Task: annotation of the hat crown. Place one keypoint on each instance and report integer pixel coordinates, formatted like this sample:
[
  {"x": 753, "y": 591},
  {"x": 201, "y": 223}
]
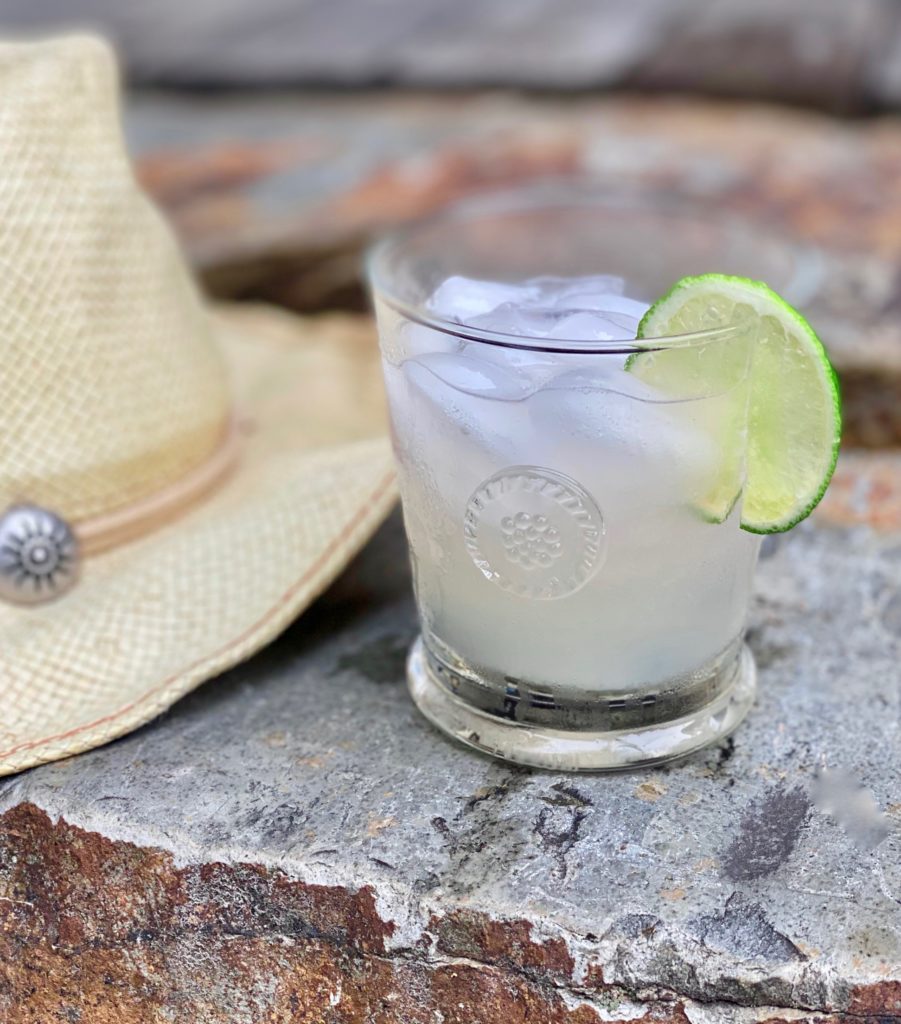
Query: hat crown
[{"x": 112, "y": 386}]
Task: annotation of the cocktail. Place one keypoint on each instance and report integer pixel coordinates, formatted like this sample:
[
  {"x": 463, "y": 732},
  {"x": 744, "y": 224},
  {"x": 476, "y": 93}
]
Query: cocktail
[{"x": 586, "y": 470}]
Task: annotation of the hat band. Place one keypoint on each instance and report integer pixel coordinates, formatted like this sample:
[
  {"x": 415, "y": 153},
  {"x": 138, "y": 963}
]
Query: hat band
[
  {"x": 40, "y": 553},
  {"x": 102, "y": 532}
]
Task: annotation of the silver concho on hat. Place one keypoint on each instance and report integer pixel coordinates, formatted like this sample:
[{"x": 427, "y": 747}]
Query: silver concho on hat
[{"x": 39, "y": 555}]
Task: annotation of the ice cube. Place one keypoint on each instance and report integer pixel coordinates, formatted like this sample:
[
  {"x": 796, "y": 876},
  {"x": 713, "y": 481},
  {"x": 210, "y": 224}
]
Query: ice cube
[
  {"x": 419, "y": 340},
  {"x": 536, "y": 308},
  {"x": 609, "y": 305},
  {"x": 516, "y": 318},
  {"x": 534, "y": 367},
  {"x": 600, "y": 424},
  {"x": 458, "y": 436},
  {"x": 498, "y": 379},
  {"x": 591, "y": 326},
  {"x": 461, "y": 298},
  {"x": 531, "y": 363}
]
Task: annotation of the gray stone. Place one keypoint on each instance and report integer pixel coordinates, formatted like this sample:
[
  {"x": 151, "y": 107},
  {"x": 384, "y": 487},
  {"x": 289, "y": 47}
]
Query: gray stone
[
  {"x": 828, "y": 53},
  {"x": 715, "y": 880}
]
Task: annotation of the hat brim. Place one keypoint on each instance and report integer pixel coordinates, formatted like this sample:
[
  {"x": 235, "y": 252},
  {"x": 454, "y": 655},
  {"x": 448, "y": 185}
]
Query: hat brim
[{"x": 151, "y": 620}]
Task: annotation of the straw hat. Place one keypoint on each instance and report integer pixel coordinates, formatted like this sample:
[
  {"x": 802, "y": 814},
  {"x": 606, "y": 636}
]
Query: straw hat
[{"x": 176, "y": 483}]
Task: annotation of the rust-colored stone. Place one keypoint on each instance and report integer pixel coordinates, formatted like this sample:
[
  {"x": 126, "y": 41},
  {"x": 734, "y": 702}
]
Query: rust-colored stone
[
  {"x": 423, "y": 184},
  {"x": 181, "y": 176},
  {"x": 471, "y": 934},
  {"x": 42, "y": 984},
  {"x": 594, "y": 978},
  {"x": 865, "y": 491},
  {"x": 882, "y": 998},
  {"x": 466, "y": 994},
  {"x": 100, "y": 931},
  {"x": 60, "y": 888},
  {"x": 106, "y": 932},
  {"x": 270, "y": 904},
  {"x": 871, "y": 406},
  {"x": 52, "y": 895}
]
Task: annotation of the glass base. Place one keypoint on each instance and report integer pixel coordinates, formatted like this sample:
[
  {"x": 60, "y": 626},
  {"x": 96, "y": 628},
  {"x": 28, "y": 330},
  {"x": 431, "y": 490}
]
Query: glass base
[{"x": 635, "y": 741}]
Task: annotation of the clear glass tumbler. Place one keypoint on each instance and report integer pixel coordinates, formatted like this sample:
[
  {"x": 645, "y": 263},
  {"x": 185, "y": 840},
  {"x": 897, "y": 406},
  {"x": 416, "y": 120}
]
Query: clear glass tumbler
[{"x": 582, "y": 601}]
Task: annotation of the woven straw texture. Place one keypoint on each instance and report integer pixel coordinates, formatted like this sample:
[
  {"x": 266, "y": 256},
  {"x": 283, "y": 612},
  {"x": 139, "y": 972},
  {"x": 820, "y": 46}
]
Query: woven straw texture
[
  {"x": 152, "y": 619},
  {"x": 115, "y": 384},
  {"x": 100, "y": 321}
]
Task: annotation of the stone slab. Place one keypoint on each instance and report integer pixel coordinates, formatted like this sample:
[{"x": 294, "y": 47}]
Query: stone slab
[
  {"x": 258, "y": 174},
  {"x": 293, "y": 843},
  {"x": 829, "y": 53},
  {"x": 275, "y": 198}
]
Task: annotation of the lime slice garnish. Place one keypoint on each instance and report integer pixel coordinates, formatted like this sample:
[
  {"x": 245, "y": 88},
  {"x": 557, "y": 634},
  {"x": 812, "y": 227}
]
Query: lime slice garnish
[{"x": 793, "y": 403}]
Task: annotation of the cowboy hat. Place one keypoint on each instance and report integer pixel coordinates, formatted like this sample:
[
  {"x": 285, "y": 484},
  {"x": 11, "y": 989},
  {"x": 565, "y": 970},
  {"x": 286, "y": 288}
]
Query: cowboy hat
[{"x": 176, "y": 483}]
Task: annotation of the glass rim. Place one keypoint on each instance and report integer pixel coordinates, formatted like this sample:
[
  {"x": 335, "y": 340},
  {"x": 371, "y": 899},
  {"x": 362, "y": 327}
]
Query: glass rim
[{"x": 534, "y": 197}]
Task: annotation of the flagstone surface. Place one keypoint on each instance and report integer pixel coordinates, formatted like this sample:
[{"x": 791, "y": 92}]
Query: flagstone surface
[{"x": 294, "y": 843}]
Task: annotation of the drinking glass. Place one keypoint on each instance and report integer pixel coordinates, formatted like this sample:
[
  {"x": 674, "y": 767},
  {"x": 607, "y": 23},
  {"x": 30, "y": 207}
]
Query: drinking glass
[{"x": 582, "y": 588}]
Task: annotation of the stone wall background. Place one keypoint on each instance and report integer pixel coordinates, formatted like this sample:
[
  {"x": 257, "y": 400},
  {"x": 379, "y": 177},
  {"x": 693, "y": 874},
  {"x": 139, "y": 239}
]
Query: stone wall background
[{"x": 838, "y": 55}]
